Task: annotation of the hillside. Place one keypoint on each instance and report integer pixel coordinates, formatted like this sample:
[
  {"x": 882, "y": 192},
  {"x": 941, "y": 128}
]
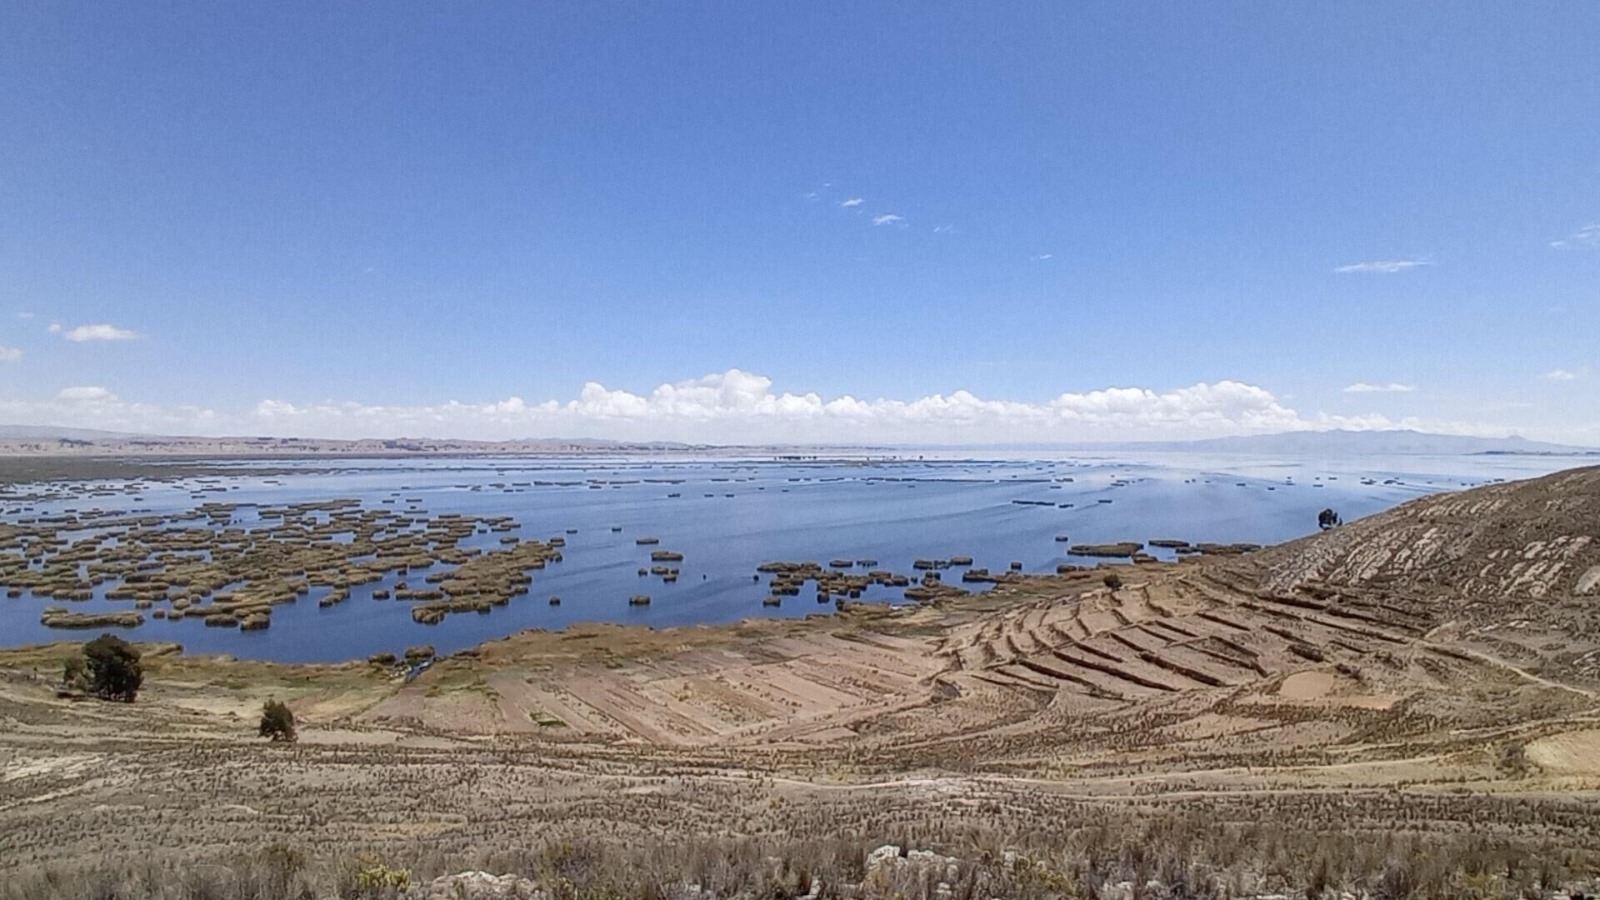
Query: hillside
[{"x": 1525, "y": 541}]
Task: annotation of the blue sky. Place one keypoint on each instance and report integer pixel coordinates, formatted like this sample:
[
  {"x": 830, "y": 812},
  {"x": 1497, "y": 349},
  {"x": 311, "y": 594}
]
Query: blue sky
[{"x": 951, "y": 222}]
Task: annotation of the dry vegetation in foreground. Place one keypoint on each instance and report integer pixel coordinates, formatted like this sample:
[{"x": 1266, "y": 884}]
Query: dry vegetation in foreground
[{"x": 1180, "y": 856}]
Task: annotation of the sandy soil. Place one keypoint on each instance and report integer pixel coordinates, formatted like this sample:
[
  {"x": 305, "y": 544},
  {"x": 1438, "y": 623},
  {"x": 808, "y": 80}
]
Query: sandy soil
[{"x": 1569, "y": 753}]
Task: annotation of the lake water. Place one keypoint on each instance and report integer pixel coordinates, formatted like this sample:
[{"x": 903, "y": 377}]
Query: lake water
[{"x": 732, "y": 514}]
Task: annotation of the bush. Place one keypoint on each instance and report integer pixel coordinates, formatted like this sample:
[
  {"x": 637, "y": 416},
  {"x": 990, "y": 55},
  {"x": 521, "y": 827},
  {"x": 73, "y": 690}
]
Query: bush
[
  {"x": 277, "y": 721},
  {"x": 371, "y": 877},
  {"x": 114, "y": 669},
  {"x": 74, "y": 674},
  {"x": 1112, "y": 580}
]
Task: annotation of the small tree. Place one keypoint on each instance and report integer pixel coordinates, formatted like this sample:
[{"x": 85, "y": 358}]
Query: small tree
[
  {"x": 277, "y": 721},
  {"x": 1112, "y": 580},
  {"x": 114, "y": 669}
]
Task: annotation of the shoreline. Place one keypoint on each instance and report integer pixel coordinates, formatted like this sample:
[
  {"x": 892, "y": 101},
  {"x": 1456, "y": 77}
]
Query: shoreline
[{"x": 855, "y": 613}]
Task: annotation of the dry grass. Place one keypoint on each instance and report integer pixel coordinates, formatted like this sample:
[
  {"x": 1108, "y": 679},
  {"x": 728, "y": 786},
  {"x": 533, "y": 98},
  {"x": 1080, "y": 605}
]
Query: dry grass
[{"x": 1182, "y": 856}]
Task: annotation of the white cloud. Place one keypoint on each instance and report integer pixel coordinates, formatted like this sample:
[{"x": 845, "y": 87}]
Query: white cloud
[
  {"x": 1044, "y": 256},
  {"x": 93, "y": 406},
  {"x": 86, "y": 393},
  {"x": 887, "y": 219},
  {"x": 1361, "y": 387},
  {"x": 1384, "y": 266},
  {"x": 742, "y": 407},
  {"x": 101, "y": 332},
  {"x": 943, "y": 229},
  {"x": 853, "y": 201},
  {"x": 24, "y": 316},
  {"x": 1587, "y": 236},
  {"x": 10, "y": 354},
  {"x": 1562, "y": 375}
]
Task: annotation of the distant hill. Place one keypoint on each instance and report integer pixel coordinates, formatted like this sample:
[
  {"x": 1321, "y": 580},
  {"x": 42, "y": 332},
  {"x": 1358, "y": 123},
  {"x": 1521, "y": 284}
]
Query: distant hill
[
  {"x": 1350, "y": 443},
  {"x": 51, "y": 433}
]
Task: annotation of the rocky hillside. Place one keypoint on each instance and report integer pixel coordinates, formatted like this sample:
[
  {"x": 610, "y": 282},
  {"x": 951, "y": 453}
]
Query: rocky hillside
[{"x": 1510, "y": 572}]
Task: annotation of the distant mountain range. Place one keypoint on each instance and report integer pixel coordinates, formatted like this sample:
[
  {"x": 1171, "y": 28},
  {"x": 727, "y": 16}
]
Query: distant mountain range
[
  {"x": 48, "y": 433},
  {"x": 1325, "y": 443},
  {"x": 1345, "y": 443}
]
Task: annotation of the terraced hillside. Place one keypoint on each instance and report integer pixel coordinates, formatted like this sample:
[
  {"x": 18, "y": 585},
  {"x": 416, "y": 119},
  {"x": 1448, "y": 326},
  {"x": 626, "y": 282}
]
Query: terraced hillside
[
  {"x": 759, "y": 684},
  {"x": 1510, "y": 570}
]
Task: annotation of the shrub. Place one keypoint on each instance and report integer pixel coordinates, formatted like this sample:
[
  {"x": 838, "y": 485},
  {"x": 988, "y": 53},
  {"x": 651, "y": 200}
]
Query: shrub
[
  {"x": 1112, "y": 580},
  {"x": 371, "y": 877},
  {"x": 114, "y": 669},
  {"x": 1513, "y": 760},
  {"x": 74, "y": 675},
  {"x": 277, "y": 721}
]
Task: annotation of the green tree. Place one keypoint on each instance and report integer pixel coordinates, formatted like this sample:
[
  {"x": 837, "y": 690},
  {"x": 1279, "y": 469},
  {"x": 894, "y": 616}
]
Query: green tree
[
  {"x": 277, "y": 721},
  {"x": 114, "y": 669}
]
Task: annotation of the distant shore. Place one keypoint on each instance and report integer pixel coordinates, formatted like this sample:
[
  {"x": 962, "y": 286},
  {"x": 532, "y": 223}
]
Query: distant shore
[
  {"x": 151, "y": 464},
  {"x": 44, "y": 441},
  {"x": 20, "y": 469},
  {"x": 97, "y": 444}
]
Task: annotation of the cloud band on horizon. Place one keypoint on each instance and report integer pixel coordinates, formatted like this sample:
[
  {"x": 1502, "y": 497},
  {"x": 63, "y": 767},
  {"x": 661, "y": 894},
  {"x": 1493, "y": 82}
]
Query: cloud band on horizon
[{"x": 734, "y": 406}]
